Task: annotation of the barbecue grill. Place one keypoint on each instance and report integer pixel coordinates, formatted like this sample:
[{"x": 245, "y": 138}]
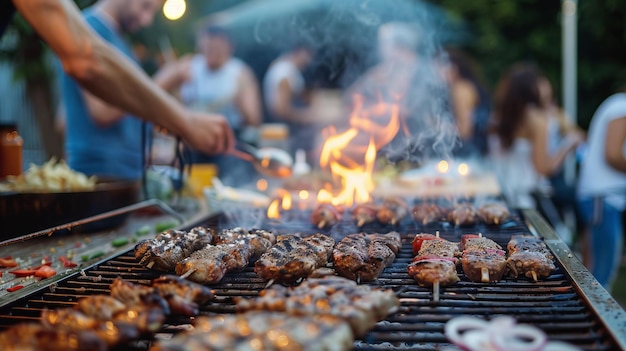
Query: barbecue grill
[{"x": 569, "y": 306}]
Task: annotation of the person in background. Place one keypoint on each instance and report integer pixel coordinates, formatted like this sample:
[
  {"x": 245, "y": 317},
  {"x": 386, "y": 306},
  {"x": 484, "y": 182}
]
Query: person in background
[
  {"x": 215, "y": 81},
  {"x": 470, "y": 102},
  {"x": 519, "y": 146},
  {"x": 111, "y": 76},
  {"x": 602, "y": 188},
  {"x": 284, "y": 95}
]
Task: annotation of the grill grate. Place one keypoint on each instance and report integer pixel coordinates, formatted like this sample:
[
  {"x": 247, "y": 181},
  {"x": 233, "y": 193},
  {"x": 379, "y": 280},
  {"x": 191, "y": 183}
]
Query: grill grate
[{"x": 553, "y": 305}]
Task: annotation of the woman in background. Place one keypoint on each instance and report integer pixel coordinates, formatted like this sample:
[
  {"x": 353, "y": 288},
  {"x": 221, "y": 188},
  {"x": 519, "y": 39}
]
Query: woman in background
[
  {"x": 519, "y": 146},
  {"x": 602, "y": 188}
]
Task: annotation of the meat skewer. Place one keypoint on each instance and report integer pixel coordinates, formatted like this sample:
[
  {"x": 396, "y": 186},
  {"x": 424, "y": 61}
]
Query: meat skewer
[
  {"x": 362, "y": 257},
  {"x": 294, "y": 257},
  {"x": 326, "y": 215},
  {"x": 393, "y": 211},
  {"x": 483, "y": 260},
  {"x": 365, "y": 214},
  {"x": 435, "y": 263},
  {"x": 166, "y": 249},
  {"x": 426, "y": 213},
  {"x": 529, "y": 256},
  {"x": 493, "y": 214},
  {"x": 31, "y": 336},
  {"x": 463, "y": 215}
]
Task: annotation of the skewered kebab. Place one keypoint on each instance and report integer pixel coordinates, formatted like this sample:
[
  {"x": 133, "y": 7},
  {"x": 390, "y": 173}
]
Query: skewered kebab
[
  {"x": 493, "y": 214},
  {"x": 393, "y": 211},
  {"x": 294, "y": 257},
  {"x": 166, "y": 249},
  {"x": 463, "y": 215},
  {"x": 529, "y": 256},
  {"x": 262, "y": 331},
  {"x": 362, "y": 306},
  {"x": 426, "y": 213},
  {"x": 483, "y": 259},
  {"x": 326, "y": 215},
  {"x": 362, "y": 257},
  {"x": 365, "y": 213},
  {"x": 435, "y": 263},
  {"x": 38, "y": 337}
]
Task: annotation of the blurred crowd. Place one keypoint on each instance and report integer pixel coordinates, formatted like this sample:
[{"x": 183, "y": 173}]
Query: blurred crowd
[{"x": 518, "y": 129}]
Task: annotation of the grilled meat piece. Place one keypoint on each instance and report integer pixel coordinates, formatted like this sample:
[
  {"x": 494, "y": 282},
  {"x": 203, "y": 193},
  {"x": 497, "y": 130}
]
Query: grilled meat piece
[
  {"x": 531, "y": 264},
  {"x": 147, "y": 318},
  {"x": 170, "y": 247},
  {"x": 393, "y": 211},
  {"x": 520, "y": 243},
  {"x": 183, "y": 296},
  {"x": 427, "y": 270},
  {"x": 100, "y": 307},
  {"x": 135, "y": 295},
  {"x": 426, "y": 213},
  {"x": 364, "y": 213},
  {"x": 362, "y": 306},
  {"x": 362, "y": 257},
  {"x": 293, "y": 257},
  {"x": 483, "y": 265},
  {"x": 529, "y": 256},
  {"x": 209, "y": 265},
  {"x": 419, "y": 239},
  {"x": 463, "y": 215},
  {"x": 326, "y": 215},
  {"x": 269, "y": 331},
  {"x": 37, "y": 337},
  {"x": 494, "y": 214},
  {"x": 473, "y": 241},
  {"x": 439, "y": 248},
  {"x": 110, "y": 332}
]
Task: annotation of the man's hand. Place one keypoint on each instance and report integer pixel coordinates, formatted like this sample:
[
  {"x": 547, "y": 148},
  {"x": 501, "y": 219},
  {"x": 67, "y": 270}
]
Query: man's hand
[{"x": 209, "y": 133}]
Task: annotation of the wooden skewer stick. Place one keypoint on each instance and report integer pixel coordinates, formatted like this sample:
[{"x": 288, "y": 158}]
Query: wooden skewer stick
[
  {"x": 480, "y": 235},
  {"x": 360, "y": 222},
  {"x": 496, "y": 221},
  {"x": 484, "y": 275},
  {"x": 269, "y": 283},
  {"x": 358, "y": 278},
  {"x": 436, "y": 291},
  {"x": 534, "y": 274},
  {"x": 150, "y": 264},
  {"x": 437, "y": 233},
  {"x": 394, "y": 221},
  {"x": 321, "y": 224},
  {"x": 188, "y": 273}
]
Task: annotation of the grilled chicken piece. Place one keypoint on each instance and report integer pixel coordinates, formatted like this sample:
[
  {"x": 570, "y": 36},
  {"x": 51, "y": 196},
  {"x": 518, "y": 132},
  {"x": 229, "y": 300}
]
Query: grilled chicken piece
[
  {"x": 494, "y": 214},
  {"x": 362, "y": 257},
  {"x": 263, "y": 331},
  {"x": 439, "y": 248},
  {"x": 135, "y": 295},
  {"x": 110, "y": 332},
  {"x": 426, "y": 213},
  {"x": 427, "y": 270},
  {"x": 362, "y": 306},
  {"x": 100, "y": 307},
  {"x": 326, "y": 215},
  {"x": 147, "y": 318},
  {"x": 37, "y": 337},
  {"x": 182, "y": 296},
  {"x": 463, "y": 215},
  {"x": 529, "y": 256},
  {"x": 226, "y": 236},
  {"x": 473, "y": 241},
  {"x": 484, "y": 265},
  {"x": 170, "y": 247},
  {"x": 364, "y": 213},
  {"x": 293, "y": 258},
  {"x": 393, "y": 211}
]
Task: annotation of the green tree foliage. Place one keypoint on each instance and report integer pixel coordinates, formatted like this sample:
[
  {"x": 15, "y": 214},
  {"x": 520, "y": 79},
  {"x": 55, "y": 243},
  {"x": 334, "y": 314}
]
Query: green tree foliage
[{"x": 502, "y": 32}]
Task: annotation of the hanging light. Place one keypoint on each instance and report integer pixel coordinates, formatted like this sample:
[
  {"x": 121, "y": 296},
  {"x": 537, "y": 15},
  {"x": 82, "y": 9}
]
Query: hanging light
[{"x": 174, "y": 9}]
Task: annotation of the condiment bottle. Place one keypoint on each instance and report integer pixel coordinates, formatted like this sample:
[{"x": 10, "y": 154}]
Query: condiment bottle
[{"x": 11, "y": 144}]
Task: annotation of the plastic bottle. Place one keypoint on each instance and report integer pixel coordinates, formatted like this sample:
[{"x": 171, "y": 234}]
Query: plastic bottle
[{"x": 11, "y": 145}]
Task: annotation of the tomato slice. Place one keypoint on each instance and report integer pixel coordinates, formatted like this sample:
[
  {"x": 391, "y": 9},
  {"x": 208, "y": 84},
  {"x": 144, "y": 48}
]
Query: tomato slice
[
  {"x": 23, "y": 272},
  {"x": 15, "y": 288},
  {"x": 45, "y": 272},
  {"x": 67, "y": 263},
  {"x": 7, "y": 262}
]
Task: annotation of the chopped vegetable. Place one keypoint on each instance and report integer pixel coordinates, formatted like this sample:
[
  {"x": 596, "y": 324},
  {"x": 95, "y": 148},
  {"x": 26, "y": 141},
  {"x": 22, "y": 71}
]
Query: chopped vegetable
[
  {"x": 119, "y": 242},
  {"x": 96, "y": 255},
  {"x": 15, "y": 288},
  {"x": 145, "y": 230},
  {"x": 45, "y": 272},
  {"x": 163, "y": 226},
  {"x": 23, "y": 272},
  {"x": 53, "y": 250},
  {"x": 7, "y": 262},
  {"x": 84, "y": 258},
  {"x": 67, "y": 263}
]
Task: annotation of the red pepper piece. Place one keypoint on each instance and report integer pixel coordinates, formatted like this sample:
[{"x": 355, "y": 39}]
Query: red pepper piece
[
  {"x": 23, "y": 272},
  {"x": 15, "y": 288},
  {"x": 7, "y": 262},
  {"x": 45, "y": 272},
  {"x": 67, "y": 263}
]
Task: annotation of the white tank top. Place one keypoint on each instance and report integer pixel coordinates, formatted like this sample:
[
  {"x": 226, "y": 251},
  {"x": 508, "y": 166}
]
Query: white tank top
[
  {"x": 214, "y": 90},
  {"x": 281, "y": 69}
]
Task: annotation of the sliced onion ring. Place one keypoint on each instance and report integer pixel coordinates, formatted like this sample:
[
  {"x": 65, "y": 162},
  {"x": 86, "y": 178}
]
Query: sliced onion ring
[
  {"x": 519, "y": 338},
  {"x": 455, "y": 327},
  {"x": 559, "y": 346}
]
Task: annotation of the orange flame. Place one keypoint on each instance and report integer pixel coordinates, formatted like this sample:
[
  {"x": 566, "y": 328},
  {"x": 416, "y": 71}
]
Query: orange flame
[
  {"x": 351, "y": 155},
  {"x": 273, "y": 210}
]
